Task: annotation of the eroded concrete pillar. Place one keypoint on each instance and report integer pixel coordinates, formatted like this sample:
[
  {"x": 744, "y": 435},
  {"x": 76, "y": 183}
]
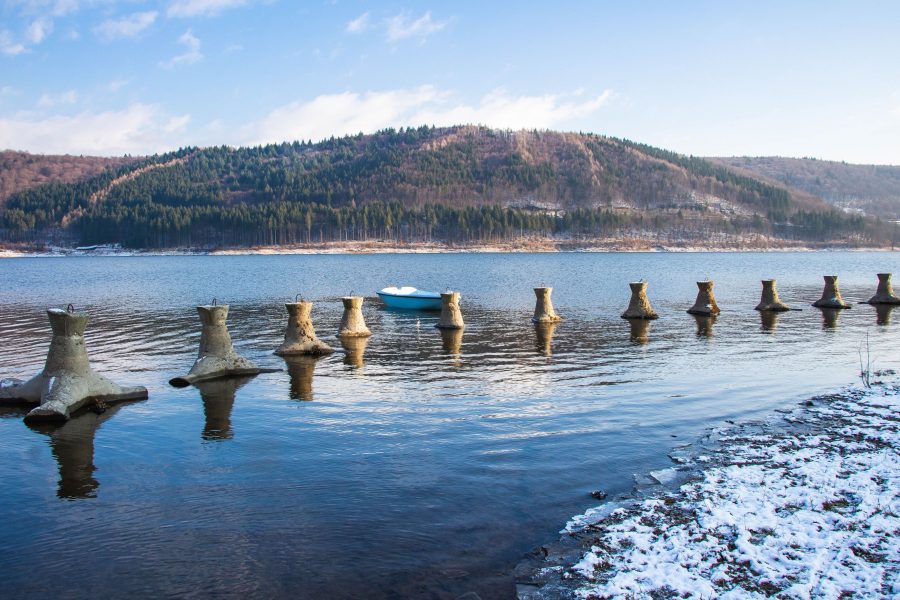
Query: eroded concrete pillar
[
  {"x": 543, "y": 307},
  {"x": 639, "y": 305},
  {"x": 831, "y": 295},
  {"x": 354, "y": 350},
  {"x": 769, "y": 301},
  {"x": 300, "y": 335},
  {"x": 353, "y": 324},
  {"x": 544, "y": 337},
  {"x": 451, "y": 317},
  {"x": 301, "y": 369},
  {"x": 67, "y": 382},
  {"x": 217, "y": 356},
  {"x": 706, "y": 300},
  {"x": 885, "y": 292}
]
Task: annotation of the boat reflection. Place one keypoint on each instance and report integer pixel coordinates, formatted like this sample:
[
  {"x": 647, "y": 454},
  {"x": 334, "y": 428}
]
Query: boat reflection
[
  {"x": 218, "y": 400},
  {"x": 354, "y": 349},
  {"x": 883, "y": 313},
  {"x": 705, "y": 325},
  {"x": 301, "y": 370},
  {"x": 72, "y": 445},
  {"x": 640, "y": 330},
  {"x": 544, "y": 338}
]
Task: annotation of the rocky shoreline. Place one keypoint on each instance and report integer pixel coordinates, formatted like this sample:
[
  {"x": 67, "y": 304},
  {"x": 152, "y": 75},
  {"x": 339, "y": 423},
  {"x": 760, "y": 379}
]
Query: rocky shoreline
[{"x": 804, "y": 504}]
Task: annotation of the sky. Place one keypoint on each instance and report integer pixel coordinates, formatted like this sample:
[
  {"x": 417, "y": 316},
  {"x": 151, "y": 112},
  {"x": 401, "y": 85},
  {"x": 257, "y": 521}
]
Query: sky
[{"x": 760, "y": 78}]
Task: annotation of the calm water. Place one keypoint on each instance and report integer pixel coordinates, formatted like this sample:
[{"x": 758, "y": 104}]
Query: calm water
[{"x": 421, "y": 465}]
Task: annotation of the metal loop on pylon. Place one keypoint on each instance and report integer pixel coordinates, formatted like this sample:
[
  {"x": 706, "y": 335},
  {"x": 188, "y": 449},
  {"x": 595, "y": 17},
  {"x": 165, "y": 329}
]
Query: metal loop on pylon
[
  {"x": 70, "y": 308},
  {"x": 214, "y": 302}
]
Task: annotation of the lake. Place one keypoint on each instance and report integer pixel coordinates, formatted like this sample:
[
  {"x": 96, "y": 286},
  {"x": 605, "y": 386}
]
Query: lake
[{"x": 423, "y": 464}]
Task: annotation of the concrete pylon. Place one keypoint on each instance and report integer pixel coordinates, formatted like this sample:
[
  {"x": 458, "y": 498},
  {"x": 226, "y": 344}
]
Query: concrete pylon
[
  {"x": 451, "y": 341},
  {"x": 353, "y": 324},
  {"x": 300, "y": 335},
  {"x": 218, "y": 401},
  {"x": 706, "y": 300},
  {"x": 705, "y": 325},
  {"x": 301, "y": 370},
  {"x": 885, "y": 292},
  {"x": 544, "y": 337},
  {"x": 67, "y": 382},
  {"x": 769, "y": 301},
  {"x": 639, "y": 306},
  {"x": 354, "y": 350},
  {"x": 216, "y": 357},
  {"x": 543, "y": 306},
  {"x": 640, "y": 330},
  {"x": 451, "y": 317},
  {"x": 72, "y": 445},
  {"x": 883, "y": 313},
  {"x": 831, "y": 295}
]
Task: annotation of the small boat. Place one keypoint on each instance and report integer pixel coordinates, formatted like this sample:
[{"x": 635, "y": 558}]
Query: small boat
[{"x": 410, "y": 298}]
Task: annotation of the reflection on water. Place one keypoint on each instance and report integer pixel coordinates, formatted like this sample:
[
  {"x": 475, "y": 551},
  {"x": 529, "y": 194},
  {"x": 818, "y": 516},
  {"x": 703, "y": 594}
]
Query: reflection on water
[
  {"x": 426, "y": 474},
  {"x": 301, "y": 369},
  {"x": 830, "y": 317},
  {"x": 705, "y": 325},
  {"x": 218, "y": 400},
  {"x": 354, "y": 348},
  {"x": 72, "y": 445},
  {"x": 640, "y": 330},
  {"x": 544, "y": 337},
  {"x": 768, "y": 320},
  {"x": 883, "y": 313}
]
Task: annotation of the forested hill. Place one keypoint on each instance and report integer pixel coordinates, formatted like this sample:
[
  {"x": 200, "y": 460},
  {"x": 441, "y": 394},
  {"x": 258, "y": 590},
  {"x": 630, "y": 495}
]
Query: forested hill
[
  {"x": 458, "y": 184},
  {"x": 870, "y": 189}
]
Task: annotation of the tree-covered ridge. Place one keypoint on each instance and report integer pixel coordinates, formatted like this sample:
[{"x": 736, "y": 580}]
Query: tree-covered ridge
[{"x": 452, "y": 184}]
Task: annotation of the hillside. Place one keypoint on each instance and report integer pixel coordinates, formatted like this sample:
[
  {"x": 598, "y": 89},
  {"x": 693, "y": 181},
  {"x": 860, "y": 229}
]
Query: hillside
[
  {"x": 21, "y": 170},
  {"x": 870, "y": 189},
  {"x": 457, "y": 185}
]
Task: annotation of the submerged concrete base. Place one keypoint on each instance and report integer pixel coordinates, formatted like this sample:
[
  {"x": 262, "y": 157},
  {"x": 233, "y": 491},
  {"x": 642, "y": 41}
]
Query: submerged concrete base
[
  {"x": 705, "y": 305},
  {"x": 543, "y": 306},
  {"x": 639, "y": 306},
  {"x": 67, "y": 382},
  {"x": 451, "y": 316},
  {"x": 300, "y": 335},
  {"x": 769, "y": 301},
  {"x": 216, "y": 357},
  {"x": 831, "y": 295},
  {"x": 885, "y": 292}
]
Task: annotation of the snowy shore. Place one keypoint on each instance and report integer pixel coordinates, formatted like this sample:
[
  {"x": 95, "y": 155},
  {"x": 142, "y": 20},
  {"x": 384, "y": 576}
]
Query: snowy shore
[{"x": 803, "y": 505}]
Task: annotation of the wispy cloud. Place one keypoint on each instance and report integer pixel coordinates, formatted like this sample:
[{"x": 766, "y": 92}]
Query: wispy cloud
[
  {"x": 201, "y": 8},
  {"x": 190, "y": 55},
  {"x": 359, "y": 24},
  {"x": 47, "y": 8},
  {"x": 9, "y": 46},
  {"x": 349, "y": 113},
  {"x": 38, "y": 30},
  {"x": 403, "y": 26},
  {"x": 137, "y": 129},
  {"x": 51, "y": 100},
  {"x": 126, "y": 27}
]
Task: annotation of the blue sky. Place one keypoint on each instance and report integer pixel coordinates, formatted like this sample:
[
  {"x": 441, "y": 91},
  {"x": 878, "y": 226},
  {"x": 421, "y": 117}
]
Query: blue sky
[{"x": 757, "y": 78}]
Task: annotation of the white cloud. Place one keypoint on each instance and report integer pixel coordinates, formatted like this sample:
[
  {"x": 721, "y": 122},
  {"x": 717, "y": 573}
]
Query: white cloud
[
  {"x": 359, "y": 24},
  {"x": 126, "y": 27},
  {"x": 117, "y": 84},
  {"x": 38, "y": 30},
  {"x": 401, "y": 27},
  {"x": 137, "y": 129},
  {"x": 350, "y": 113},
  {"x": 10, "y": 47},
  {"x": 53, "y": 8},
  {"x": 190, "y": 55},
  {"x": 201, "y": 8},
  {"x": 50, "y": 100}
]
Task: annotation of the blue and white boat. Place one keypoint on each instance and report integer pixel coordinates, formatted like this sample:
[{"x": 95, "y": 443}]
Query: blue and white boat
[{"x": 410, "y": 298}]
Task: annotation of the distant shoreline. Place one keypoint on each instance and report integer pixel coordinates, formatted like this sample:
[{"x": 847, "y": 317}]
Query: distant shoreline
[{"x": 391, "y": 247}]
